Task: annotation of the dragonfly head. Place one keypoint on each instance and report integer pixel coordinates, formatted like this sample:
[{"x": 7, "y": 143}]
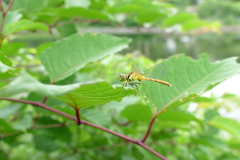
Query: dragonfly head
[{"x": 122, "y": 77}]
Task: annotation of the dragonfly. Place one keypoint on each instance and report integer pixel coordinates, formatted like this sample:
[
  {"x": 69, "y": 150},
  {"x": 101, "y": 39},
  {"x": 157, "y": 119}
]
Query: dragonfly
[{"x": 135, "y": 77}]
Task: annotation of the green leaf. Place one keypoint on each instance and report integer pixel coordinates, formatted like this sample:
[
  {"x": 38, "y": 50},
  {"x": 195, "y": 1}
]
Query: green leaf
[
  {"x": 82, "y": 12},
  {"x": 25, "y": 83},
  {"x": 9, "y": 110},
  {"x": 45, "y": 142},
  {"x": 97, "y": 117},
  {"x": 67, "y": 30},
  {"x": 12, "y": 49},
  {"x": 178, "y": 19},
  {"x": 132, "y": 6},
  {"x": 23, "y": 123},
  {"x": 67, "y": 56},
  {"x": 24, "y": 25},
  {"x": 137, "y": 112},
  {"x": 74, "y": 3},
  {"x": 178, "y": 117},
  {"x": 193, "y": 24},
  {"x": 4, "y": 59},
  {"x": 28, "y": 6},
  {"x": 4, "y": 68},
  {"x": 94, "y": 94},
  {"x": 210, "y": 141},
  {"x": 149, "y": 16},
  {"x": 65, "y": 135},
  {"x": 5, "y": 127},
  {"x": 229, "y": 125},
  {"x": 189, "y": 78}
]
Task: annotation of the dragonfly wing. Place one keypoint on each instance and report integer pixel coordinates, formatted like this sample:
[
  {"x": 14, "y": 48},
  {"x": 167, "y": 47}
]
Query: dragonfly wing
[
  {"x": 157, "y": 71},
  {"x": 136, "y": 69}
]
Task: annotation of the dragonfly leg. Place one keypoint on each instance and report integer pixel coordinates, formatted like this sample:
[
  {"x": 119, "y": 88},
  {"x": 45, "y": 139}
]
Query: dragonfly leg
[
  {"x": 135, "y": 84},
  {"x": 125, "y": 84}
]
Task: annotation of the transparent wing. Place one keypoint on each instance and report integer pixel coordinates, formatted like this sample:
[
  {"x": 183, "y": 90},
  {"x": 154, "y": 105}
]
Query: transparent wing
[{"x": 157, "y": 71}]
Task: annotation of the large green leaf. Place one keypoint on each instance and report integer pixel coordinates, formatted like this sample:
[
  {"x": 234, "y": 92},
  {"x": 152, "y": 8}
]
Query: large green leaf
[
  {"x": 94, "y": 94},
  {"x": 67, "y": 56},
  {"x": 227, "y": 124},
  {"x": 189, "y": 78},
  {"x": 25, "y": 83}
]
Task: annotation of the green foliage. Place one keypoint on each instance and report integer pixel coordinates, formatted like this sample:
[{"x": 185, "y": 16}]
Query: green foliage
[
  {"x": 40, "y": 80},
  {"x": 193, "y": 77},
  {"x": 78, "y": 57},
  {"x": 95, "y": 94},
  {"x": 25, "y": 83}
]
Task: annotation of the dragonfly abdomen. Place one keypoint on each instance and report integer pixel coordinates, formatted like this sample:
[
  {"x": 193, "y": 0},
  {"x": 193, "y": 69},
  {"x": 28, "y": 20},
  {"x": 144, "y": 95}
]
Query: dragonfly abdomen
[{"x": 156, "y": 80}]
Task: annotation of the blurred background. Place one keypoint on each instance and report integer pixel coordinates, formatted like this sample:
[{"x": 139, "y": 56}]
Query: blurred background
[{"x": 159, "y": 29}]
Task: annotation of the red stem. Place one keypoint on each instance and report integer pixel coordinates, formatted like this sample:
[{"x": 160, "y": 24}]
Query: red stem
[
  {"x": 78, "y": 115},
  {"x": 149, "y": 129},
  {"x": 40, "y": 104}
]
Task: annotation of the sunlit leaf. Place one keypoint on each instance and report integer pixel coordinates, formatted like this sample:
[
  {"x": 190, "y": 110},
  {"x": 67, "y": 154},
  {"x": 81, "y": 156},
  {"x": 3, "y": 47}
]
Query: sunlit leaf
[
  {"x": 67, "y": 56},
  {"x": 178, "y": 19},
  {"x": 178, "y": 117},
  {"x": 25, "y": 83},
  {"x": 4, "y": 59},
  {"x": 210, "y": 141},
  {"x": 94, "y": 94},
  {"x": 193, "y": 24},
  {"x": 132, "y": 6},
  {"x": 227, "y": 124},
  {"x": 82, "y": 12},
  {"x": 24, "y": 25},
  {"x": 189, "y": 78},
  {"x": 149, "y": 16},
  {"x": 28, "y": 6}
]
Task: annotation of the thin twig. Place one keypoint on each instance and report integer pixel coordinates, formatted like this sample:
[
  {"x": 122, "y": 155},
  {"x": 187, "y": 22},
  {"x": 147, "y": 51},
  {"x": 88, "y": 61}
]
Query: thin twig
[
  {"x": 78, "y": 115},
  {"x": 39, "y": 104},
  {"x": 9, "y": 6},
  {"x": 4, "y": 13},
  {"x": 149, "y": 129}
]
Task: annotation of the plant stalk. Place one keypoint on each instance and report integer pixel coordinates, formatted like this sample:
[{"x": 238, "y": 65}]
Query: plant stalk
[{"x": 138, "y": 142}]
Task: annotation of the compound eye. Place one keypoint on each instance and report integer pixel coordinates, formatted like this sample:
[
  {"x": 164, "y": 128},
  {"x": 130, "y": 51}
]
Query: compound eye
[{"x": 121, "y": 77}]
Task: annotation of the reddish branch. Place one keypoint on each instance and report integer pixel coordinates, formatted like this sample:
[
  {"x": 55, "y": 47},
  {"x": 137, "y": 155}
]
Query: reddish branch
[
  {"x": 79, "y": 121},
  {"x": 4, "y": 13},
  {"x": 149, "y": 129},
  {"x": 77, "y": 116}
]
